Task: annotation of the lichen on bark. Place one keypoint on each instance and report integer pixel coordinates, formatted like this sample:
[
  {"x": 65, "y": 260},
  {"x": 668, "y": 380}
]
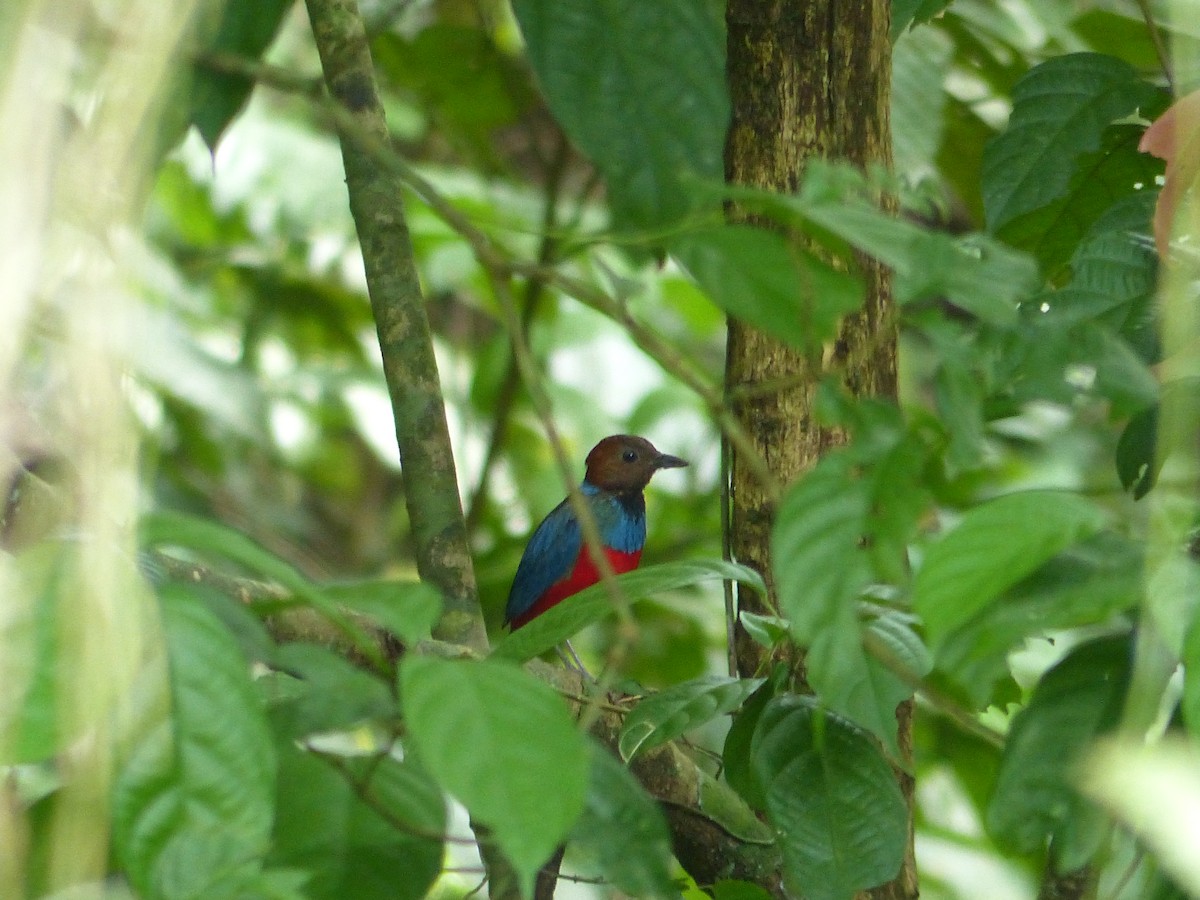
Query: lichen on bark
[{"x": 410, "y": 369}]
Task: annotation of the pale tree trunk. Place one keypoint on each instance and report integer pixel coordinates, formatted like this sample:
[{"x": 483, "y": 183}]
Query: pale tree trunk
[{"x": 808, "y": 79}]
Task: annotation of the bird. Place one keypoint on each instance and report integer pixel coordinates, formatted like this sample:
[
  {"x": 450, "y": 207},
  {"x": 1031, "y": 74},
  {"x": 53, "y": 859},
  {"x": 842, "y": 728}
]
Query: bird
[{"x": 556, "y": 562}]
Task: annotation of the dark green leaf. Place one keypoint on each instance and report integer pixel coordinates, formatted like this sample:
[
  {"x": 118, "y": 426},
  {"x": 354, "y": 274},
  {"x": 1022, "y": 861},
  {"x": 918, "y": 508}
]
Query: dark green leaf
[
  {"x": 908, "y": 13},
  {"x": 331, "y": 692},
  {"x": 1138, "y": 464},
  {"x": 624, "y": 830},
  {"x": 994, "y": 546},
  {"x": 841, "y": 820},
  {"x": 678, "y": 709},
  {"x": 505, "y": 745},
  {"x": 1075, "y": 701},
  {"x": 758, "y": 277},
  {"x": 640, "y": 88},
  {"x": 1060, "y": 110},
  {"x": 738, "y": 890},
  {"x": 592, "y": 604},
  {"x": 193, "y": 802},
  {"x": 736, "y": 753},
  {"x": 385, "y": 849},
  {"x": 246, "y": 30}
]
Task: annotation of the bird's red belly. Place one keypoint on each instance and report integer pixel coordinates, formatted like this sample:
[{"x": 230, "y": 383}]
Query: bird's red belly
[{"x": 584, "y": 574}]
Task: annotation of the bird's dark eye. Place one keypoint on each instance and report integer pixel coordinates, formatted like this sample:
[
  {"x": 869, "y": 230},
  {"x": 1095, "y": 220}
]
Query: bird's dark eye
[{"x": 629, "y": 456}]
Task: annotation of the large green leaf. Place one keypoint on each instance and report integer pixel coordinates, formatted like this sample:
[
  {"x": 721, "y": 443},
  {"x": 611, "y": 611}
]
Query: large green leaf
[
  {"x": 505, "y": 745},
  {"x": 1101, "y": 179},
  {"x": 860, "y": 686},
  {"x": 817, "y": 546},
  {"x": 1089, "y": 583},
  {"x": 370, "y": 832},
  {"x": 640, "y": 88},
  {"x": 994, "y": 546},
  {"x": 194, "y": 799},
  {"x": 213, "y": 538},
  {"x": 1077, "y": 699},
  {"x": 1060, "y": 110},
  {"x": 592, "y": 604},
  {"x": 624, "y": 830},
  {"x": 833, "y": 800},
  {"x": 759, "y": 277},
  {"x": 671, "y": 712},
  {"x": 975, "y": 272}
]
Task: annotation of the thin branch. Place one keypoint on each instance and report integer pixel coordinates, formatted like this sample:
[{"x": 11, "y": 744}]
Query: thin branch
[
  {"x": 535, "y": 289},
  {"x": 1160, "y": 47},
  {"x": 497, "y": 263}
]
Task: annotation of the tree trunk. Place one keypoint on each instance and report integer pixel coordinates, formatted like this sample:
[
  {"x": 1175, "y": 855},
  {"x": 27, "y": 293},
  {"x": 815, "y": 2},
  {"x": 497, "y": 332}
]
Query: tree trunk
[{"x": 808, "y": 79}]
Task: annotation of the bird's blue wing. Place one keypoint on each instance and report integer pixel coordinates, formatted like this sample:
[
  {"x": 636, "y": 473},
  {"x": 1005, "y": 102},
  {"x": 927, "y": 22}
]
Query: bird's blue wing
[{"x": 549, "y": 556}]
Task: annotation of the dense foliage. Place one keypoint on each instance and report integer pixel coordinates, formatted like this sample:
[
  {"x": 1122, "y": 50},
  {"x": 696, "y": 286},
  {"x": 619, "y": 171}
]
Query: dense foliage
[{"x": 1013, "y": 542}]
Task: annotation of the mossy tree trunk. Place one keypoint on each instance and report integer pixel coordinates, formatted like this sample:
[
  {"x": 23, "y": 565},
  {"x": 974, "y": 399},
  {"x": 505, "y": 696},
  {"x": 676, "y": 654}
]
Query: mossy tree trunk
[{"x": 808, "y": 79}]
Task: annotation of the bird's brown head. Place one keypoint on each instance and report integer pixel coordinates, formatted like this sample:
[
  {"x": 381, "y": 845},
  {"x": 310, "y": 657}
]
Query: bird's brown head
[{"x": 624, "y": 463}]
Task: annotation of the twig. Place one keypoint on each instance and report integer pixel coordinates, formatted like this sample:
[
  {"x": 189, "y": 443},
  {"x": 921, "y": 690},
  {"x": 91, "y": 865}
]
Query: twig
[
  {"x": 1160, "y": 48},
  {"x": 534, "y": 291},
  {"x": 498, "y": 263}
]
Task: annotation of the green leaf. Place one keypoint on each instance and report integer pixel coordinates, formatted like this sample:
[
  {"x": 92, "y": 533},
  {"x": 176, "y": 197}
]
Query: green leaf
[
  {"x": 1060, "y": 110},
  {"x": 408, "y": 609},
  {"x": 678, "y": 709},
  {"x": 505, "y": 745},
  {"x": 1089, "y": 583},
  {"x": 851, "y": 683},
  {"x": 976, "y": 272},
  {"x": 994, "y": 546},
  {"x": 729, "y": 889},
  {"x": 759, "y": 277},
  {"x": 1138, "y": 463},
  {"x": 330, "y": 694},
  {"x": 1101, "y": 180},
  {"x": 920, "y": 62},
  {"x": 193, "y": 802},
  {"x": 766, "y": 631},
  {"x": 817, "y": 547},
  {"x": 735, "y": 755},
  {"x": 350, "y": 847},
  {"x": 832, "y": 798},
  {"x": 172, "y": 528},
  {"x": 246, "y": 30},
  {"x": 640, "y": 88},
  {"x": 624, "y": 830},
  {"x": 37, "y": 586},
  {"x": 909, "y": 13},
  {"x": 1078, "y": 699},
  {"x": 592, "y": 604}
]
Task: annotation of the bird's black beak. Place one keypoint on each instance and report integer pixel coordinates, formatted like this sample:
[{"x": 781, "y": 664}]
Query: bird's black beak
[{"x": 667, "y": 461}]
